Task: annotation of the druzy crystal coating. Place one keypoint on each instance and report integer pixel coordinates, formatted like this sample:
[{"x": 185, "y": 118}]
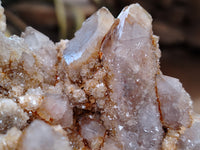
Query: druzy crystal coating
[{"x": 101, "y": 90}]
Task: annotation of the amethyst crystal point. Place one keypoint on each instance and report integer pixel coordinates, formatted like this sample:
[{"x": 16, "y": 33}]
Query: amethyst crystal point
[
  {"x": 130, "y": 61},
  {"x": 84, "y": 47}
]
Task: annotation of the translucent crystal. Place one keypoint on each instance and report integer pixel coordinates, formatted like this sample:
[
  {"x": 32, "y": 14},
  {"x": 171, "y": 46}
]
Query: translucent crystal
[
  {"x": 10, "y": 140},
  {"x": 56, "y": 107},
  {"x": 130, "y": 61},
  {"x": 84, "y": 47},
  {"x": 11, "y": 115},
  {"x": 190, "y": 139},
  {"x": 101, "y": 90},
  {"x": 11, "y": 49},
  {"x": 43, "y": 49},
  {"x": 93, "y": 132},
  {"x": 32, "y": 99},
  {"x": 41, "y": 136},
  {"x": 175, "y": 103}
]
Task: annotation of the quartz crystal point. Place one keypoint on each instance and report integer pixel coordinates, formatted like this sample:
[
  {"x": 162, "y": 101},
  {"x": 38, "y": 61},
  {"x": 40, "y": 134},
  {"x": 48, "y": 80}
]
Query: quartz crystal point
[
  {"x": 44, "y": 50},
  {"x": 175, "y": 103},
  {"x": 11, "y": 49},
  {"x": 102, "y": 90},
  {"x": 131, "y": 62},
  {"x": 56, "y": 107},
  {"x": 81, "y": 53}
]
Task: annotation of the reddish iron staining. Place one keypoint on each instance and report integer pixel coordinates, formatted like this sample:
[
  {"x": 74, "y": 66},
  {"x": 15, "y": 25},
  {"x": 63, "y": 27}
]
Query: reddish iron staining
[{"x": 101, "y": 89}]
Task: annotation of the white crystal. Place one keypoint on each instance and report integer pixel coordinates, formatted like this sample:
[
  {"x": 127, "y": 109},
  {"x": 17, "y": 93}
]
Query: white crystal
[
  {"x": 56, "y": 107},
  {"x": 9, "y": 141},
  {"x": 190, "y": 139},
  {"x": 175, "y": 103},
  {"x": 32, "y": 99},
  {"x": 41, "y": 136},
  {"x": 11, "y": 115},
  {"x": 93, "y": 132},
  {"x": 43, "y": 49}
]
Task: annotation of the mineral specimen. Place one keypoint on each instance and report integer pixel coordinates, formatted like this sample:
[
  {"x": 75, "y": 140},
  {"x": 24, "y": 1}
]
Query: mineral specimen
[
  {"x": 101, "y": 90},
  {"x": 131, "y": 63},
  {"x": 42, "y": 137},
  {"x": 81, "y": 54},
  {"x": 175, "y": 103}
]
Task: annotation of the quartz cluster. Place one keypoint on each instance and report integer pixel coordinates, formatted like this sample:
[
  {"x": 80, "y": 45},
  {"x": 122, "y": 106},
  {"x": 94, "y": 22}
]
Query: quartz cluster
[{"x": 102, "y": 90}]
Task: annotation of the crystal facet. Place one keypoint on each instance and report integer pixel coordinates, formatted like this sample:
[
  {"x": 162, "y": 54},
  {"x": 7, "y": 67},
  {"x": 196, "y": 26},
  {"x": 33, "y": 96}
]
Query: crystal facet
[
  {"x": 130, "y": 61},
  {"x": 101, "y": 90}
]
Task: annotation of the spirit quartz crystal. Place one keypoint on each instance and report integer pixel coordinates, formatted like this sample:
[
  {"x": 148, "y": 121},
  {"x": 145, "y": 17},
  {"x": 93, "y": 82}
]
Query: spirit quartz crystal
[{"x": 101, "y": 90}]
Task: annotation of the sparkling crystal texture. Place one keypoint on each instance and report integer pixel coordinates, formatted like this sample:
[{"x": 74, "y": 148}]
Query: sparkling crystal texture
[{"x": 101, "y": 90}]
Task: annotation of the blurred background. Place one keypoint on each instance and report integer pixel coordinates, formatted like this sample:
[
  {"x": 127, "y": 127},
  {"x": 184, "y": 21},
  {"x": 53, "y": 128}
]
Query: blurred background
[{"x": 177, "y": 22}]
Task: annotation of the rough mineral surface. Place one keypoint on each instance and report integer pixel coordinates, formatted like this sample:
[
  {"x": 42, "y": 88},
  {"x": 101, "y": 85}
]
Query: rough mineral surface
[
  {"x": 42, "y": 137},
  {"x": 131, "y": 63},
  {"x": 102, "y": 90},
  {"x": 175, "y": 103}
]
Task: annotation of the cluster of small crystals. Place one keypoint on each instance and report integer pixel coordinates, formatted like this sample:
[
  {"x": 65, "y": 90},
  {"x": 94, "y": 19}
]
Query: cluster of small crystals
[{"x": 101, "y": 90}]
